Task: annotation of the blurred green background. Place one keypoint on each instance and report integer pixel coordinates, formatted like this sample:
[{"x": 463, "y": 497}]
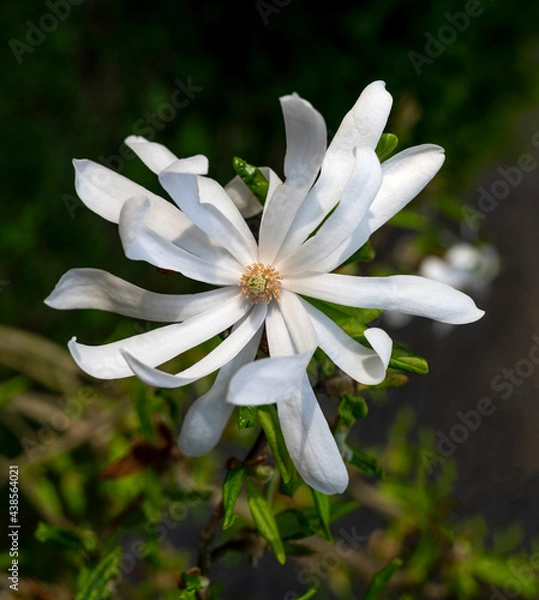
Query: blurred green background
[{"x": 110, "y": 69}]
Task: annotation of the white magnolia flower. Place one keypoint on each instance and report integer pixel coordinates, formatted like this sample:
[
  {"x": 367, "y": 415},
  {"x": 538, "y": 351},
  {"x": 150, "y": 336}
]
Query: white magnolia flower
[
  {"x": 464, "y": 266},
  {"x": 260, "y": 284}
]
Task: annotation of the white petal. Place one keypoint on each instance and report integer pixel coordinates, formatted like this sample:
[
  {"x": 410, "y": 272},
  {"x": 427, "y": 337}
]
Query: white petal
[
  {"x": 310, "y": 442},
  {"x": 171, "y": 224},
  {"x": 244, "y": 199},
  {"x": 408, "y": 294},
  {"x": 206, "y": 418},
  {"x": 357, "y": 196},
  {"x": 362, "y": 126},
  {"x": 404, "y": 176},
  {"x": 104, "y": 191},
  {"x": 96, "y": 289},
  {"x": 268, "y": 380},
  {"x": 279, "y": 340},
  {"x": 242, "y": 333},
  {"x": 305, "y": 146},
  {"x": 142, "y": 243},
  {"x": 156, "y": 347},
  {"x": 206, "y": 203},
  {"x": 360, "y": 363},
  {"x": 298, "y": 323},
  {"x": 158, "y": 157}
]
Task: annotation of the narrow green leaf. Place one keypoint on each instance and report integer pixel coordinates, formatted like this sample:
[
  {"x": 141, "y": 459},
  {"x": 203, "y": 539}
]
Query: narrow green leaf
[
  {"x": 405, "y": 360},
  {"x": 231, "y": 490},
  {"x": 363, "y": 462},
  {"x": 308, "y": 594},
  {"x": 386, "y": 144},
  {"x": 94, "y": 585},
  {"x": 352, "y": 408},
  {"x": 58, "y": 535},
  {"x": 265, "y": 521},
  {"x": 252, "y": 177},
  {"x": 246, "y": 417},
  {"x": 269, "y": 421},
  {"x": 143, "y": 406},
  {"x": 381, "y": 579},
  {"x": 323, "y": 509},
  {"x": 296, "y": 524}
]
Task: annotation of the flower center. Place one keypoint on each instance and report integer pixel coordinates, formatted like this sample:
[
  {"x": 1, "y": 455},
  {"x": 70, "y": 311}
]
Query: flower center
[{"x": 261, "y": 283}]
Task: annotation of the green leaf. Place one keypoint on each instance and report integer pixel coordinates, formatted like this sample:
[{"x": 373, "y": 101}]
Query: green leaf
[
  {"x": 296, "y": 524},
  {"x": 143, "y": 406},
  {"x": 308, "y": 594},
  {"x": 252, "y": 177},
  {"x": 94, "y": 584},
  {"x": 381, "y": 579},
  {"x": 405, "y": 360},
  {"x": 231, "y": 490},
  {"x": 363, "y": 462},
  {"x": 265, "y": 521},
  {"x": 365, "y": 254},
  {"x": 352, "y": 408},
  {"x": 58, "y": 535},
  {"x": 246, "y": 417},
  {"x": 267, "y": 415},
  {"x": 386, "y": 144},
  {"x": 323, "y": 509},
  {"x": 191, "y": 581}
]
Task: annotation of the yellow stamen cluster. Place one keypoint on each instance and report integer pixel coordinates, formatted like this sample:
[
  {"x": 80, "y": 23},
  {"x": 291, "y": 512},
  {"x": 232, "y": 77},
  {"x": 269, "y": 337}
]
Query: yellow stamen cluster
[{"x": 261, "y": 283}]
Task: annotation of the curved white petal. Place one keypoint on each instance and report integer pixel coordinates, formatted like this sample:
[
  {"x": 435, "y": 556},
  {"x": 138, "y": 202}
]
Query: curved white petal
[
  {"x": 207, "y": 417},
  {"x": 408, "y": 294},
  {"x": 362, "y": 126},
  {"x": 268, "y": 380},
  {"x": 104, "y": 191},
  {"x": 97, "y": 289},
  {"x": 142, "y": 243},
  {"x": 310, "y": 443},
  {"x": 360, "y": 363},
  {"x": 297, "y": 321},
  {"x": 158, "y": 157},
  {"x": 242, "y": 333},
  {"x": 404, "y": 176},
  {"x": 156, "y": 347},
  {"x": 360, "y": 191},
  {"x": 171, "y": 224},
  {"x": 207, "y": 204},
  {"x": 305, "y": 146},
  {"x": 244, "y": 199}
]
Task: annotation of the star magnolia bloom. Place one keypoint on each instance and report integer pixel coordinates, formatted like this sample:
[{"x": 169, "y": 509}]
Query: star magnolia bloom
[{"x": 261, "y": 284}]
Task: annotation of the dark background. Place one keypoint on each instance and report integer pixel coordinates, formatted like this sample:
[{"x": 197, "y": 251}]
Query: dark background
[{"x": 107, "y": 67}]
